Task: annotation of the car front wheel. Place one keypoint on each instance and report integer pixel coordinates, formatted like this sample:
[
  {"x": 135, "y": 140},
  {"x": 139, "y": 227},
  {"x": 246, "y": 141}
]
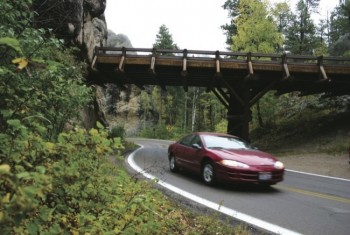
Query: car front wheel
[
  {"x": 208, "y": 173},
  {"x": 172, "y": 164}
]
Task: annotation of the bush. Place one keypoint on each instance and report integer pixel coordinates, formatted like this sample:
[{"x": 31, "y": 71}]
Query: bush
[
  {"x": 159, "y": 131},
  {"x": 117, "y": 131}
]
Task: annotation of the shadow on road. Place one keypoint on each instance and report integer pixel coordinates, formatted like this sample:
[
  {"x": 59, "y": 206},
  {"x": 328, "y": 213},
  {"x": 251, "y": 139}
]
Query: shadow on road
[{"x": 237, "y": 188}]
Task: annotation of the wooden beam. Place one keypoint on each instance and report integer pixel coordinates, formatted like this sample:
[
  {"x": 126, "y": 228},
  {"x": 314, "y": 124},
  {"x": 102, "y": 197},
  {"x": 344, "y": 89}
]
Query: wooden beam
[
  {"x": 323, "y": 73},
  {"x": 122, "y": 59},
  {"x": 250, "y": 66},
  {"x": 221, "y": 99},
  {"x": 232, "y": 91},
  {"x": 262, "y": 93},
  {"x": 285, "y": 66},
  {"x": 184, "y": 73}
]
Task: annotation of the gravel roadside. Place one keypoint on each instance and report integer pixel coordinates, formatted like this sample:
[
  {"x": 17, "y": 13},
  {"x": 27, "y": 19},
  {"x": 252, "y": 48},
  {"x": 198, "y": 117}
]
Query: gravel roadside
[{"x": 318, "y": 163}]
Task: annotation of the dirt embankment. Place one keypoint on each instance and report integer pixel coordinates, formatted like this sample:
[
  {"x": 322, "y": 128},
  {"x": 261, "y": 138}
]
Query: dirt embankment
[{"x": 323, "y": 164}]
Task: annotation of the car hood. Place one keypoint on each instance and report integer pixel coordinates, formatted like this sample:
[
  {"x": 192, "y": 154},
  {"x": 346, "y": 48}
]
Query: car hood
[{"x": 250, "y": 157}]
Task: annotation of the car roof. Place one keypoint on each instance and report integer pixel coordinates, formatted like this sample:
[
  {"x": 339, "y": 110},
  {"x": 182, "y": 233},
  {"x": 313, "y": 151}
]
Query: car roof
[{"x": 213, "y": 133}]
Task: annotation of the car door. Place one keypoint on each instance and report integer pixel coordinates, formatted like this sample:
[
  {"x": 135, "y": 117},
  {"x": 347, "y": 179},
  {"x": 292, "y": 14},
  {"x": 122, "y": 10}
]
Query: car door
[
  {"x": 191, "y": 154},
  {"x": 182, "y": 149}
]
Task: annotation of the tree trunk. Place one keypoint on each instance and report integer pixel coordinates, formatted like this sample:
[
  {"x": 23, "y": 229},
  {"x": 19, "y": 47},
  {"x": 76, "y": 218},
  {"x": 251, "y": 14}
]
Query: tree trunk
[
  {"x": 194, "y": 107},
  {"x": 185, "y": 121},
  {"x": 161, "y": 107},
  {"x": 261, "y": 123}
]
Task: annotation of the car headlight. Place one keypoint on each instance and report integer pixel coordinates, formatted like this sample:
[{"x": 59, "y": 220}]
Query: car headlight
[
  {"x": 234, "y": 164},
  {"x": 278, "y": 165}
]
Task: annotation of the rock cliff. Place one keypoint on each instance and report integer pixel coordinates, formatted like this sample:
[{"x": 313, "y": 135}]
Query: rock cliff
[
  {"x": 82, "y": 23},
  {"x": 121, "y": 104}
]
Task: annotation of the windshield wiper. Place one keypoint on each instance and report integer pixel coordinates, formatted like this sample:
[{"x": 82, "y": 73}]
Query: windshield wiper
[{"x": 216, "y": 147}]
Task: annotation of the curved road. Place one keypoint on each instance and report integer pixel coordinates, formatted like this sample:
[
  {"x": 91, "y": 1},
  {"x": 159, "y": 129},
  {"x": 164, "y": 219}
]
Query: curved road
[{"x": 301, "y": 204}]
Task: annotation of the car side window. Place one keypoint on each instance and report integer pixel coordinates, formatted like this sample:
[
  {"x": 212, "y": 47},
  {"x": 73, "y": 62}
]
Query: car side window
[
  {"x": 196, "y": 140},
  {"x": 187, "y": 140}
]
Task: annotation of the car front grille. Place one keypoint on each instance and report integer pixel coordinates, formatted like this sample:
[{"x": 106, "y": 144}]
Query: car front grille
[{"x": 251, "y": 176}]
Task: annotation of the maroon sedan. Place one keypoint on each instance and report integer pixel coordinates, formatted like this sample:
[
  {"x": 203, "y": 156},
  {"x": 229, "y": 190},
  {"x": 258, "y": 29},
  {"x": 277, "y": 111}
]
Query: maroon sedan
[{"x": 225, "y": 158}]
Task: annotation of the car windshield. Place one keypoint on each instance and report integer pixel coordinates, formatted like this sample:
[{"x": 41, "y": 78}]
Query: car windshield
[{"x": 225, "y": 142}]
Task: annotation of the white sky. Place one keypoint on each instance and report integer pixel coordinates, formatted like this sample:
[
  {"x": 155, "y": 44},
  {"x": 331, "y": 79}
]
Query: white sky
[{"x": 193, "y": 24}]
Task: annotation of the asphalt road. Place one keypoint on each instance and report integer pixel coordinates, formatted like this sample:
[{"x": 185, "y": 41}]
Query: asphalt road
[{"x": 301, "y": 204}]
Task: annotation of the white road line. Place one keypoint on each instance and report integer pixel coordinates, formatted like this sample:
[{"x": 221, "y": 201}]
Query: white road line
[
  {"x": 323, "y": 176},
  {"x": 215, "y": 206}
]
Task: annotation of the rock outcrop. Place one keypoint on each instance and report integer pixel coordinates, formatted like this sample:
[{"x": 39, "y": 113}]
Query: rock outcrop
[
  {"x": 79, "y": 21},
  {"x": 121, "y": 104},
  {"x": 82, "y": 23}
]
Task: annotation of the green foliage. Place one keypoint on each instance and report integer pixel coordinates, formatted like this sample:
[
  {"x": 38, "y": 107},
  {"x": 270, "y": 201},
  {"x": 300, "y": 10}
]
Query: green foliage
[
  {"x": 339, "y": 30},
  {"x": 230, "y": 29},
  {"x": 156, "y": 132},
  {"x": 339, "y": 21},
  {"x": 296, "y": 121},
  {"x": 221, "y": 127},
  {"x": 51, "y": 88},
  {"x": 164, "y": 39},
  {"x": 301, "y": 35},
  {"x": 15, "y": 16},
  {"x": 11, "y": 43},
  {"x": 181, "y": 112},
  {"x": 117, "y": 131},
  {"x": 256, "y": 31}
]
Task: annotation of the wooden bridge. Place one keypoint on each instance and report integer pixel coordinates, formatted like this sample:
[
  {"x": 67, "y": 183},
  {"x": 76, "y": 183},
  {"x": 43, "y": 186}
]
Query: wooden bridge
[{"x": 238, "y": 80}]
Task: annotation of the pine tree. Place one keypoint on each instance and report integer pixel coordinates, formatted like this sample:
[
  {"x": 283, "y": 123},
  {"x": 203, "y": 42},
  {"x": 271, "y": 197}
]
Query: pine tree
[
  {"x": 301, "y": 35},
  {"x": 231, "y": 29},
  {"x": 340, "y": 22},
  {"x": 164, "y": 40},
  {"x": 256, "y": 30}
]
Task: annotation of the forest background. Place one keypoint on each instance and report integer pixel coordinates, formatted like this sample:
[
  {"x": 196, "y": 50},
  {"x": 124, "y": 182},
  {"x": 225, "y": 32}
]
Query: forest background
[{"x": 56, "y": 177}]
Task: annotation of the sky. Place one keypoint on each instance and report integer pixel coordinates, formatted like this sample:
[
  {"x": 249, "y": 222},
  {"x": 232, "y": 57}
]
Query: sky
[{"x": 193, "y": 24}]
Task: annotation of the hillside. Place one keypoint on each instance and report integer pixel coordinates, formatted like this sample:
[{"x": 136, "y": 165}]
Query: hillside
[
  {"x": 315, "y": 144},
  {"x": 310, "y": 132}
]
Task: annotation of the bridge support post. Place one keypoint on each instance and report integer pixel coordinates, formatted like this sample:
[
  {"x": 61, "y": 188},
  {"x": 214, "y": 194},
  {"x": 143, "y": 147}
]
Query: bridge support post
[{"x": 239, "y": 115}]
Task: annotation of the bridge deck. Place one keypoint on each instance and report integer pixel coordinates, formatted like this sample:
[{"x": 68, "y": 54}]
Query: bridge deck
[{"x": 212, "y": 69}]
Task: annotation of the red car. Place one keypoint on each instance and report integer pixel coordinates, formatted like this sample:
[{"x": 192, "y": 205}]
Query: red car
[{"x": 224, "y": 158}]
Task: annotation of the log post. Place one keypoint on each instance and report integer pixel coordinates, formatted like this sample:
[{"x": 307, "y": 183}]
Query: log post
[{"x": 239, "y": 115}]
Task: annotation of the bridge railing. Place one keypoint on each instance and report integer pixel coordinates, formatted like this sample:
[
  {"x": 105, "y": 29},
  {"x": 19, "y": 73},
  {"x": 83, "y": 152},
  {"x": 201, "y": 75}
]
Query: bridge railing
[
  {"x": 222, "y": 55},
  {"x": 225, "y": 56}
]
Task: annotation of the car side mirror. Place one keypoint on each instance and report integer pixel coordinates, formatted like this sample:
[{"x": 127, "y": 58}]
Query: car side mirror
[{"x": 196, "y": 146}]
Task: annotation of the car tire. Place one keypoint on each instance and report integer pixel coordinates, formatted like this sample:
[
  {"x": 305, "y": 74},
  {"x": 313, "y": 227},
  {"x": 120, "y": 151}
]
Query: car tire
[
  {"x": 172, "y": 164},
  {"x": 208, "y": 173}
]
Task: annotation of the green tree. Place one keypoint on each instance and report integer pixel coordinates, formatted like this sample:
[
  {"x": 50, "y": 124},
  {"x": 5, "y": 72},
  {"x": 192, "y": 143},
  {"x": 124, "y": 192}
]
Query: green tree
[
  {"x": 231, "y": 29},
  {"x": 211, "y": 111},
  {"x": 282, "y": 15},
  {"x": 301, "y": 35},
  {"x": 164, "y": 100},
  {"x": 339, "y": 35},
  {"x": 256, "y": 30},
  {"x": 164, "y": 40}
]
